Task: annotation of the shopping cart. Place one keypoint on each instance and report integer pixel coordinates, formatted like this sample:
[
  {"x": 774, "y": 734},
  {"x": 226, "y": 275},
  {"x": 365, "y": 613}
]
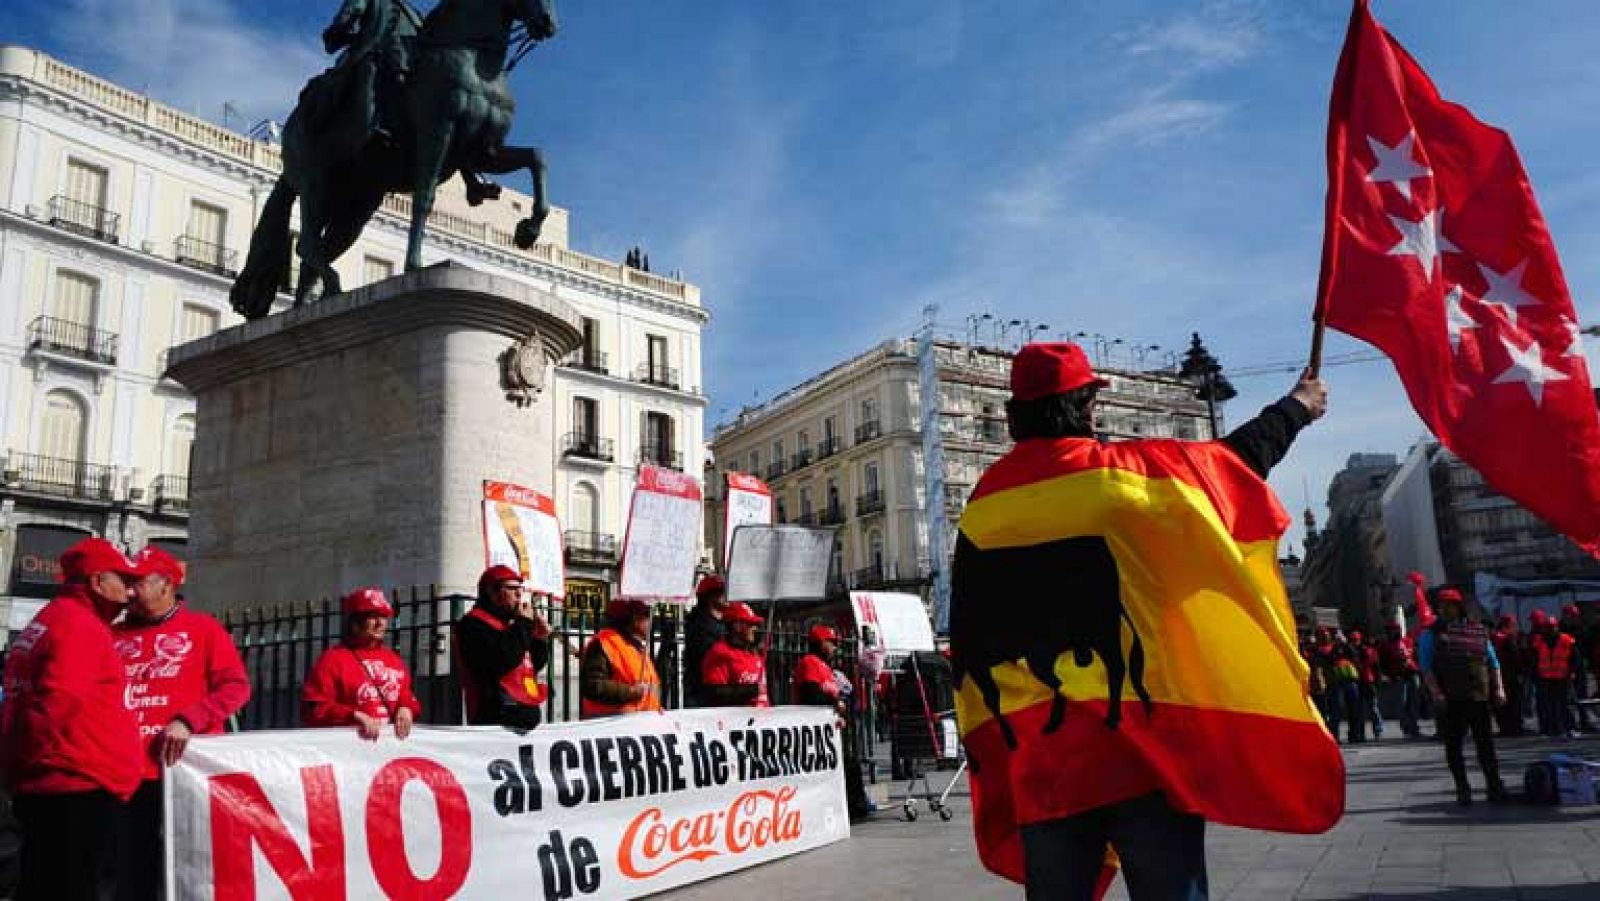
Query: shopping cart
[{"x": 924, "y": 737}]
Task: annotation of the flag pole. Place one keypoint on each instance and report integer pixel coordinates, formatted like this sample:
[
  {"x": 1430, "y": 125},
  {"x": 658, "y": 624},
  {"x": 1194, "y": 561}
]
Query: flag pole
[{"x": 1319, "y": 327}]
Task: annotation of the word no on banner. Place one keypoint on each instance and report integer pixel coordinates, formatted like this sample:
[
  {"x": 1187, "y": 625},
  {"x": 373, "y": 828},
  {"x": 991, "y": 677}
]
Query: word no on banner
[{"x": 614, "y": 808}]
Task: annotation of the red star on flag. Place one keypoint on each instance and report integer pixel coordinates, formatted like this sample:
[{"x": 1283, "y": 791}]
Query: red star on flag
[{"x": 1436, "y": 253}]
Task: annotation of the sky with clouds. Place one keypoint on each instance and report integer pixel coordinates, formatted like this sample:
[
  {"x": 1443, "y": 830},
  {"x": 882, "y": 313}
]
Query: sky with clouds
[{"x": 1139, "y": 169}]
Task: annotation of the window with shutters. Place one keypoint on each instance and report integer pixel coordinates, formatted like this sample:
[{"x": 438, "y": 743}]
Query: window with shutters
[
  {"x": 208, "y": 223},
  {"x": 870, "y": 477},
  {"x": 197, "y": 322},
  {"x": 659, "y": 441},
  {"x": 376, "y": 270},
  {"x": 586, "y": 417},
  {"x": 62, "y": 429},
  {"x": 86, "y": 184},
  {"x": 204, "y": 241},
  {"x": 76, "y": 299},
  {"x": 81, "y": 207},
  {"x": 180, "y": 443}
]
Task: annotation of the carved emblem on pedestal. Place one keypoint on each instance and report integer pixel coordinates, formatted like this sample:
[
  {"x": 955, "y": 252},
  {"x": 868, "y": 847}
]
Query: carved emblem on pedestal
[{"x": 523, "y": 367}]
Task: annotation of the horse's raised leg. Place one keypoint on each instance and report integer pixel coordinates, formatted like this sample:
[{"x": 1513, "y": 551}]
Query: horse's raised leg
[
  {"x": 432, "y": 148},
  {"x": 501, "y": 160}
]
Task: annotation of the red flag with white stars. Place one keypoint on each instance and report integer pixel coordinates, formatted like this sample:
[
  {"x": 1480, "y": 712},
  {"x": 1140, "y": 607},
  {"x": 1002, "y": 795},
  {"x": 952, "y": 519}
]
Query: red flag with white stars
[{"x": 1436, "y": 253}]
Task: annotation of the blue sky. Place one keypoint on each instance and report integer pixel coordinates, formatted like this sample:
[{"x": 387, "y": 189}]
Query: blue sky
[{"x": 1139, "y": 169}]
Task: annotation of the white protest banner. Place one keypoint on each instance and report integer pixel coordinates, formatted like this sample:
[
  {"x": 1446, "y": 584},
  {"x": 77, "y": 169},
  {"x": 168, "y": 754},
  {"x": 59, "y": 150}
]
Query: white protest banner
[
  {"x": 749, "y": 503},
  {"x": 520, "y": 530},
  {"x": 779, "y": 563},
  {"x": 662, "y": 545},
  {"x": 901, "y": 620},
  {"x": 614, "y": 808}
]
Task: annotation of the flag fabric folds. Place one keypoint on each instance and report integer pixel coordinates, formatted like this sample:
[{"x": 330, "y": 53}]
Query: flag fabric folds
[
  {"x": 1436, "y": 253},
  {"x": 1118, "y": 627}
]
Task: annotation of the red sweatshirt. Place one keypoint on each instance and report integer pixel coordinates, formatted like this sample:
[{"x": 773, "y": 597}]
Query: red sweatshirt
[
  {"x": 183, "y": 667},
  {"x": 64, "y": 727},
  {"x": 728, "y": 665},
  {"x": 345, "y": 680}
]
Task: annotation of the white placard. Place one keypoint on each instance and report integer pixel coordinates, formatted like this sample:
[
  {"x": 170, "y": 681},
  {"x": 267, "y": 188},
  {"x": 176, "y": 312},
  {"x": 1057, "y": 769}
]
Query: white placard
[
  {"x": 614, "y": 808},
  {"x": 779, "y": 563},
  {"x": 520, "y": 530},
  {"x": 663, "y": 541},
  {"x": 901, "y": 620},
  {"x": 749, "y": 503}
]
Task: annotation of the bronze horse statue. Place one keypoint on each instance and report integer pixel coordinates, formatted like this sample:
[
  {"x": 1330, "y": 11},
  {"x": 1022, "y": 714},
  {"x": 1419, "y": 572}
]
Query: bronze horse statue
[{"x": 450, "y": 112}]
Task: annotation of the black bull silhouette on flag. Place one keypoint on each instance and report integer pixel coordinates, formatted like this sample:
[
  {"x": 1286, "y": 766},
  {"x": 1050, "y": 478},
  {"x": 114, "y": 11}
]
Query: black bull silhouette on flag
[{"x": 1035, "y": 603}]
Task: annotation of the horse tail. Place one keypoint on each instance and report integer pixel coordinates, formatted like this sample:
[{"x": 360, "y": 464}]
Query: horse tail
[{"x": 268, "y": 259}]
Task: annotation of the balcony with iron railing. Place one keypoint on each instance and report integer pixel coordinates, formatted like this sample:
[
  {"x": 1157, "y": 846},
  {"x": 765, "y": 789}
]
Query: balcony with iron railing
[
  {"x": 200, "y": 254},
  {"x": 868, "y": 576},
  {"x": 827, "y": 447},
  {"x": 776, "y": 469},
  {"x": 590, "y": 547},
  {"x": 60, "y": 477},
  {"x": 800, "y": 459},
  {"x": 170, "y": 493},
  {"x": 85, "y": 219},
  {"x": 72, "y": 339},
  {"x": 588, "y": 446},
  {"x": 870, "y": 503},
  {"x": 832, "y": 515},
  {"x": 867, "y": 431},
  {"x": 657, "y": 455},
  {"x": 589, "y": 360},
  {"x": 658, "y": 375}
]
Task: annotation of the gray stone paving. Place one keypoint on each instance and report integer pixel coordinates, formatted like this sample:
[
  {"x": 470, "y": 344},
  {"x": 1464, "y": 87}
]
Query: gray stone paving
[{"x": 1402, "y": 839}]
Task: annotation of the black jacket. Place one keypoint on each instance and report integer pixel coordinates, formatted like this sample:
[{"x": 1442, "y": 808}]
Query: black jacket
[
  {"x": 701, "y": 631},
  {"x": 489, "y": 654},
  {"x": 1262, "y": 442}
]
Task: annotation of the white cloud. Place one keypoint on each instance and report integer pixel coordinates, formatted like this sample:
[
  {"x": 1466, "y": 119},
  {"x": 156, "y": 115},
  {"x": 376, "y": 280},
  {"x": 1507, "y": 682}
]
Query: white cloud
[
  {"x": 193, "y": 54},
  {"x": 1219, "y": 33}
]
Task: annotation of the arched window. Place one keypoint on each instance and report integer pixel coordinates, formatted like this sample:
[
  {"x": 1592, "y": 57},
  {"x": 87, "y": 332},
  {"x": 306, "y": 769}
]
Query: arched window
[
  {"x": 180, "y": 442},
  {"x": 62, "y": 429}
]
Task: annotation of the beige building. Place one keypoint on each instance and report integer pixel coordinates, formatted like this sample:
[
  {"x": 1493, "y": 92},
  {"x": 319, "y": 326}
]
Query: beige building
[
  {"x": 845, "y": 448},
  {"x": 122, "y": 222}
]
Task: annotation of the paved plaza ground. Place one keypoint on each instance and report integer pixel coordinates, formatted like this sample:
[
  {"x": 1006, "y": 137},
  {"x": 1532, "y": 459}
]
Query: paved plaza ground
[{"x": 1402, "y": 839}]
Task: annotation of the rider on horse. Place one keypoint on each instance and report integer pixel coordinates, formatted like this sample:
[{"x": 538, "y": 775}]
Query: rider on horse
[{"x": 376, "y": 37}]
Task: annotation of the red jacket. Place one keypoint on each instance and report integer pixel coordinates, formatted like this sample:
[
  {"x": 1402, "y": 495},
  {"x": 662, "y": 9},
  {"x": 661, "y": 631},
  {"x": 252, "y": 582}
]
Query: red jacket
[
  {"x": 1398, "y": 657},
  {"x": 64, "y": 727},
  {"x": 183, "y": 667},
  {"x": 345, "y": 680},
  {"x": 728, "y": 665},
  {"x": 815, "y": 670}
]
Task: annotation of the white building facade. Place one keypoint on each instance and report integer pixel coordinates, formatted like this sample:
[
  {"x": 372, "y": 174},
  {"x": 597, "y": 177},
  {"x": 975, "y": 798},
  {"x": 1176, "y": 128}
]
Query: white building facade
[{"x": 122, "y": 222}]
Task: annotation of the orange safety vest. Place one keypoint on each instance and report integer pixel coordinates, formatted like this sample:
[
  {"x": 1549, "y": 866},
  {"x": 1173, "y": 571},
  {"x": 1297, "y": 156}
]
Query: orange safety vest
[
  {"x": 629, "y": 665},
  {"x": 1554, "y": 662},
  {"x": 521, "y": 684}
]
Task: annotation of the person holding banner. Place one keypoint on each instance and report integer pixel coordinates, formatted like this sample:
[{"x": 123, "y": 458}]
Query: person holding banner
[
  {"x": 68, "y": 747},
  {"x": 361, "y": 681},
  {"x": 734, "y": 673},
  {"x": 185, "y": 678},
  {"x": 617, "y": 675},
  {"x": 500, "y": 647},
  {"x": 702, "y": 629}
]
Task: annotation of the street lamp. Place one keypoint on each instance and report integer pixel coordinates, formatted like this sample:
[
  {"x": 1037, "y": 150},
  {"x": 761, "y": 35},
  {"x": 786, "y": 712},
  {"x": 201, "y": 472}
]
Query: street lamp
[{"x": 973, "y": 322}]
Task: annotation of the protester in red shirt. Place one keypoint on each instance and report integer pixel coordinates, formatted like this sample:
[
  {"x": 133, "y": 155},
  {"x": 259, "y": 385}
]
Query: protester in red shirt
[
  {"x": 184, "y": 678},
  {"x": 814, "y": 681},
  {"x": 68, "y": 747},
  {"x": 362, "y": 681},
  {"x": 1398, "y": 663},
  {"x": 734, "y": 674}
]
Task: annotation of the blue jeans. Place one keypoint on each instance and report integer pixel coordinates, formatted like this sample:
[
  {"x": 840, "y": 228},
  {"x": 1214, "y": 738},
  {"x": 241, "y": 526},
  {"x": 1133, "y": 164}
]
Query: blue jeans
[
  {"x": 1406, "y": 700},
  {"x": 1163, "y": 852}
]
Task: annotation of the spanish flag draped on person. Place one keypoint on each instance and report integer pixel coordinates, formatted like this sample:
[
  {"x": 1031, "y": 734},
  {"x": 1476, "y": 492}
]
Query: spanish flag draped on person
[{"x": 1123, "y": 645}]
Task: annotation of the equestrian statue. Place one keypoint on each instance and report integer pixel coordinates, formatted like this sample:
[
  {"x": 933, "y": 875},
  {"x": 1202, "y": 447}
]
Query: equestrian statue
[{"x": 411, "y": 101}]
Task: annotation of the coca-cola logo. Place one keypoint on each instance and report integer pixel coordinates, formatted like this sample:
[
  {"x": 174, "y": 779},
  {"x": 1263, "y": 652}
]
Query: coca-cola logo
[
  {"x": 173, "y": 645},
  {"x": 755, "y": 820},
  {"x": 129, "y": 648}
]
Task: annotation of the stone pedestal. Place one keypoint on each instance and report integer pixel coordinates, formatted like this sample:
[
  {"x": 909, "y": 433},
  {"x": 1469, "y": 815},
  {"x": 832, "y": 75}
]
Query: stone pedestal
[{"x": 345, "y": 443}]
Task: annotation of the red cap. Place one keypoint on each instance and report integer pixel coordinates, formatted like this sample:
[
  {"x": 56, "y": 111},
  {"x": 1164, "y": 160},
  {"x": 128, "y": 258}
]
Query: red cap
[
  {"x": 1355, "y": 635},
  {"x": 498, "y": 573},
  {"x": 617, "y": 608},
  {"x": 1449, "y": 596},
  {"x": 95, "y": 555},
  {"x": 1571, "y": 610},
  {"x": 1043, "y": 369},
  {"x": 822, "y": 633},
  {"x": 741, "y": 613},
  {"x": 710, "y": 583},
  {"x": 153, "y": 561},
  {"x": 1416, "y": 578},
  {"x": 366, "y": 600}
]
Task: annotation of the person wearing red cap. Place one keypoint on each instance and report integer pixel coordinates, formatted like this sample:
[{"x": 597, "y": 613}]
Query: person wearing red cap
[
  {"x": 1510, "y": 648},
  {"x": 184, "y": 678},
  {"x": 361, "y": 681},
  {"x": 1553, "y": 653},
  {"x": 500, "y": 647},
  {"x": 702, "y": 629},
  {"x": 69, "y": 748},
  {"x": 814, "y": 681},
  {"x": 1462, "y": 672},
  {"x": 616, "y": 674},
  {"x": 733, "y": 673},
  {"x": 1062, "y": 837},
  {"x": 1572, "y": 624}
]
